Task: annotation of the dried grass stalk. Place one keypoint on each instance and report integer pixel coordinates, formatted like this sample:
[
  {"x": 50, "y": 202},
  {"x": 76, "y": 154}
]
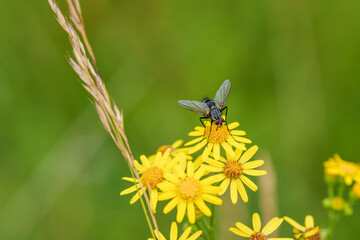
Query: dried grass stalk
[{"x": 110, "y": 116}]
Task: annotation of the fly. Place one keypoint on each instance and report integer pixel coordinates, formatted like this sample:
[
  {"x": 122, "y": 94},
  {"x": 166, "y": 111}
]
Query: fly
[{"x": 210, "y": 108}]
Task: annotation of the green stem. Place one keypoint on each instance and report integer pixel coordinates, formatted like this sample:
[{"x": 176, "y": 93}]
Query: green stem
[{"x": 333, "y": 220}]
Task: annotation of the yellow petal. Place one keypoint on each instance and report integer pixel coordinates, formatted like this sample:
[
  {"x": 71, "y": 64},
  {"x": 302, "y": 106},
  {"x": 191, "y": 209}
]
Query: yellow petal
[
  {"x": 238, "y": 132},
  {"x": 159, "y": 236},
  {"x": 249, "y": 183},
  {"x": 241, "y": 189},
  {"x": 228, "y": 149},
  {"x": 136, "y": 197},
  {"x": 134, "y": 180},
  {"x": 239, "y": 232},
  {"x": 236, "y": 144},
  {"x": 198, "y": 146},
  {"x": 181, "y": 209},
  {"x": 167, "y": 195},
  {"x": 191, "y": 212},
  {"x": 216, "y": 151},
  {"x": 190, "y": 169},
  {"x": 224, "y": 185},
  {"x": 180, "y": 172},
  {"x": 256, "y": 222},
  {"x": 177, "y": 143},
  {"x": 255, "y": 172},
  {"x": 202, "y": 206},
  {"x": 248, "y": 154},
  {"x": 253, "y": 164},
  {"x": 171, "y": 205},
  {"x": 145, "y": 161},
  {"x": 242, "y": 139},
  {"x": 194, "y": 141},
  {"x": 153, "y": 199},
  {"x": 211, "y": 199},
  {"x": 207, "y": 150},
  {"x": 244, "y": 228},
  {"x": 195, "y": 235},
  {"x": 199, "y": 173},
  {"x": 233, "y": 192},
  {"x": 185, "y": 234},
  {"x": 233, "y": 125},
  {"x": 294, "y": 224},
  {"x": 173, "y": 231},
  {"x": 130, "y": 189},
  {"x": 309, "y": 221},
  {"x": 196, "y": 133},
  {"x": 272, "y": 225}
]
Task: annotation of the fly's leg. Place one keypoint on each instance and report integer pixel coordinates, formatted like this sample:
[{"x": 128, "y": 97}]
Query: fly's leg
[
  {"x": 201, "y": 120},
  {"x": 226, "y": 110}
]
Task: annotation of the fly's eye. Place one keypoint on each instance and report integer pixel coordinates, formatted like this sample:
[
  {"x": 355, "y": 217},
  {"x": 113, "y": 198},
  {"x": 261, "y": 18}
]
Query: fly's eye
[
  {"x": 222, "y": 120},
  {"x": 217, "y": 122}
]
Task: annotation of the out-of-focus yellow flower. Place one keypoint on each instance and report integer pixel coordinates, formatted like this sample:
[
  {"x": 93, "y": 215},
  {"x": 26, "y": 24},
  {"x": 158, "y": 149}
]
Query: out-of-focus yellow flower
[
  {"x": 309, "y": 231},
  {"x": 214, "y": 137},
  {"x": 356, "y": 189},
  {"x": 176, "y": 151},
  {"x": 187, "y": 190},
  {"x": 336, "y": 166},
  {"x": 233, "y": 171},
  {"x": 174, "y": 234},
  {"x": 337, "y": 203},
  {"x": 151, "y": 174},
  {"x": 255, "y": 233}
]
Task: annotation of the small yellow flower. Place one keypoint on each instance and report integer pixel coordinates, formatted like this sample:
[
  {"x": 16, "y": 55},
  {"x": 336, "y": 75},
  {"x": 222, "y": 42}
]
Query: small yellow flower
[
  {"x": 151, "y": 174},
  {"x": 255, "y": 233},
  {"x": 309, "y": 231},
  {"x": 337, "y": 203},
  {"x": 233, "y": 171},
  {"x": 214, "y": 136},
  {"x": 338, "y": 167},
  {"x": 176, "y": 151},
  {"x": 187, "y": 190},
  {"x": 174, "y": 234},
  {"x": 356, "y": 189}
]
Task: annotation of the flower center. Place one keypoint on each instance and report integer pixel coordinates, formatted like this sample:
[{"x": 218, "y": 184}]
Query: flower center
[
  {"x": 189, "y": 189},
  {"x": 349, "y": 168},
  {"x": 232, "y": 169},
  {"x": 316, "y": 236},
  {"x": 163, "y": 148},
  {"x": 218, "y": 134},
  {"x": 258, "y": 236},
  {"x": 152, "y": 176}
]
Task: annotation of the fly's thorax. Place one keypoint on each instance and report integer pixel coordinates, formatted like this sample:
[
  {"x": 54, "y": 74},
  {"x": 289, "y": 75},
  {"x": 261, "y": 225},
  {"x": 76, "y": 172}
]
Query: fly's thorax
[{"x": 215, "y": 114}]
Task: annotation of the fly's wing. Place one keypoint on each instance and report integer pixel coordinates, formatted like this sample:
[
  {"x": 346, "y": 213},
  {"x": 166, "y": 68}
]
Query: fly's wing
[
  {"x": 194, "y": 106},
  {"x": 222, "y": 94}
]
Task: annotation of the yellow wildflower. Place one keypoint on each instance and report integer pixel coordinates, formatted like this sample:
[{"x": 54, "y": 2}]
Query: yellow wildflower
[
  {"x": 174, "y": 234},
  {"x": 356, "y": 189},
  {"x": 151, "y": 174},
  {"x": 213, "y": 136},
  {"x": 309, "y": 231},
  {"x": 233, "y": 171},
  {"x": 187, "y": 190},
  {"x": 338, "y": 167},
  {"x": 255, "y": 233}
]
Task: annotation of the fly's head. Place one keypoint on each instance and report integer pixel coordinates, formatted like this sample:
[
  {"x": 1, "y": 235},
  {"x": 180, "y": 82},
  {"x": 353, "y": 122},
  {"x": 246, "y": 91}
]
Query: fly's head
[{"x": 219, "y": 122}]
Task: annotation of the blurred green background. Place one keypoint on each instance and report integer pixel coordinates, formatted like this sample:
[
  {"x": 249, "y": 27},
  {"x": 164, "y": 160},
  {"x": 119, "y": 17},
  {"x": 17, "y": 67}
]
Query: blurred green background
[{"x": 294, "y": 69}]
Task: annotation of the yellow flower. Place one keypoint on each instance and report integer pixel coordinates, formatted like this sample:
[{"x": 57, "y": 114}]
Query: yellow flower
[
  {"x": 337, "y": 203},
  {"x": 175, "y": 151},
  {"x": 255, "y": 233},
  {"x": 151, "y": 174},
  {"x": 214, "y": 136},
  {"x": 174, "y": 234},
  {"x": 356, "y": 189},
  {"x": 233, "y": 171},
  {"x": 309, "y": 232},
  {"x": 187, "y": 190},
  {"x": 338, "y": 167}
]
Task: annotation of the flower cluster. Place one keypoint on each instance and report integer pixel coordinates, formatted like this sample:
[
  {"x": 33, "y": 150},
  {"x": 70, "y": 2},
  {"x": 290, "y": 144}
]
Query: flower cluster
[{"x": 193, "y": 184}]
